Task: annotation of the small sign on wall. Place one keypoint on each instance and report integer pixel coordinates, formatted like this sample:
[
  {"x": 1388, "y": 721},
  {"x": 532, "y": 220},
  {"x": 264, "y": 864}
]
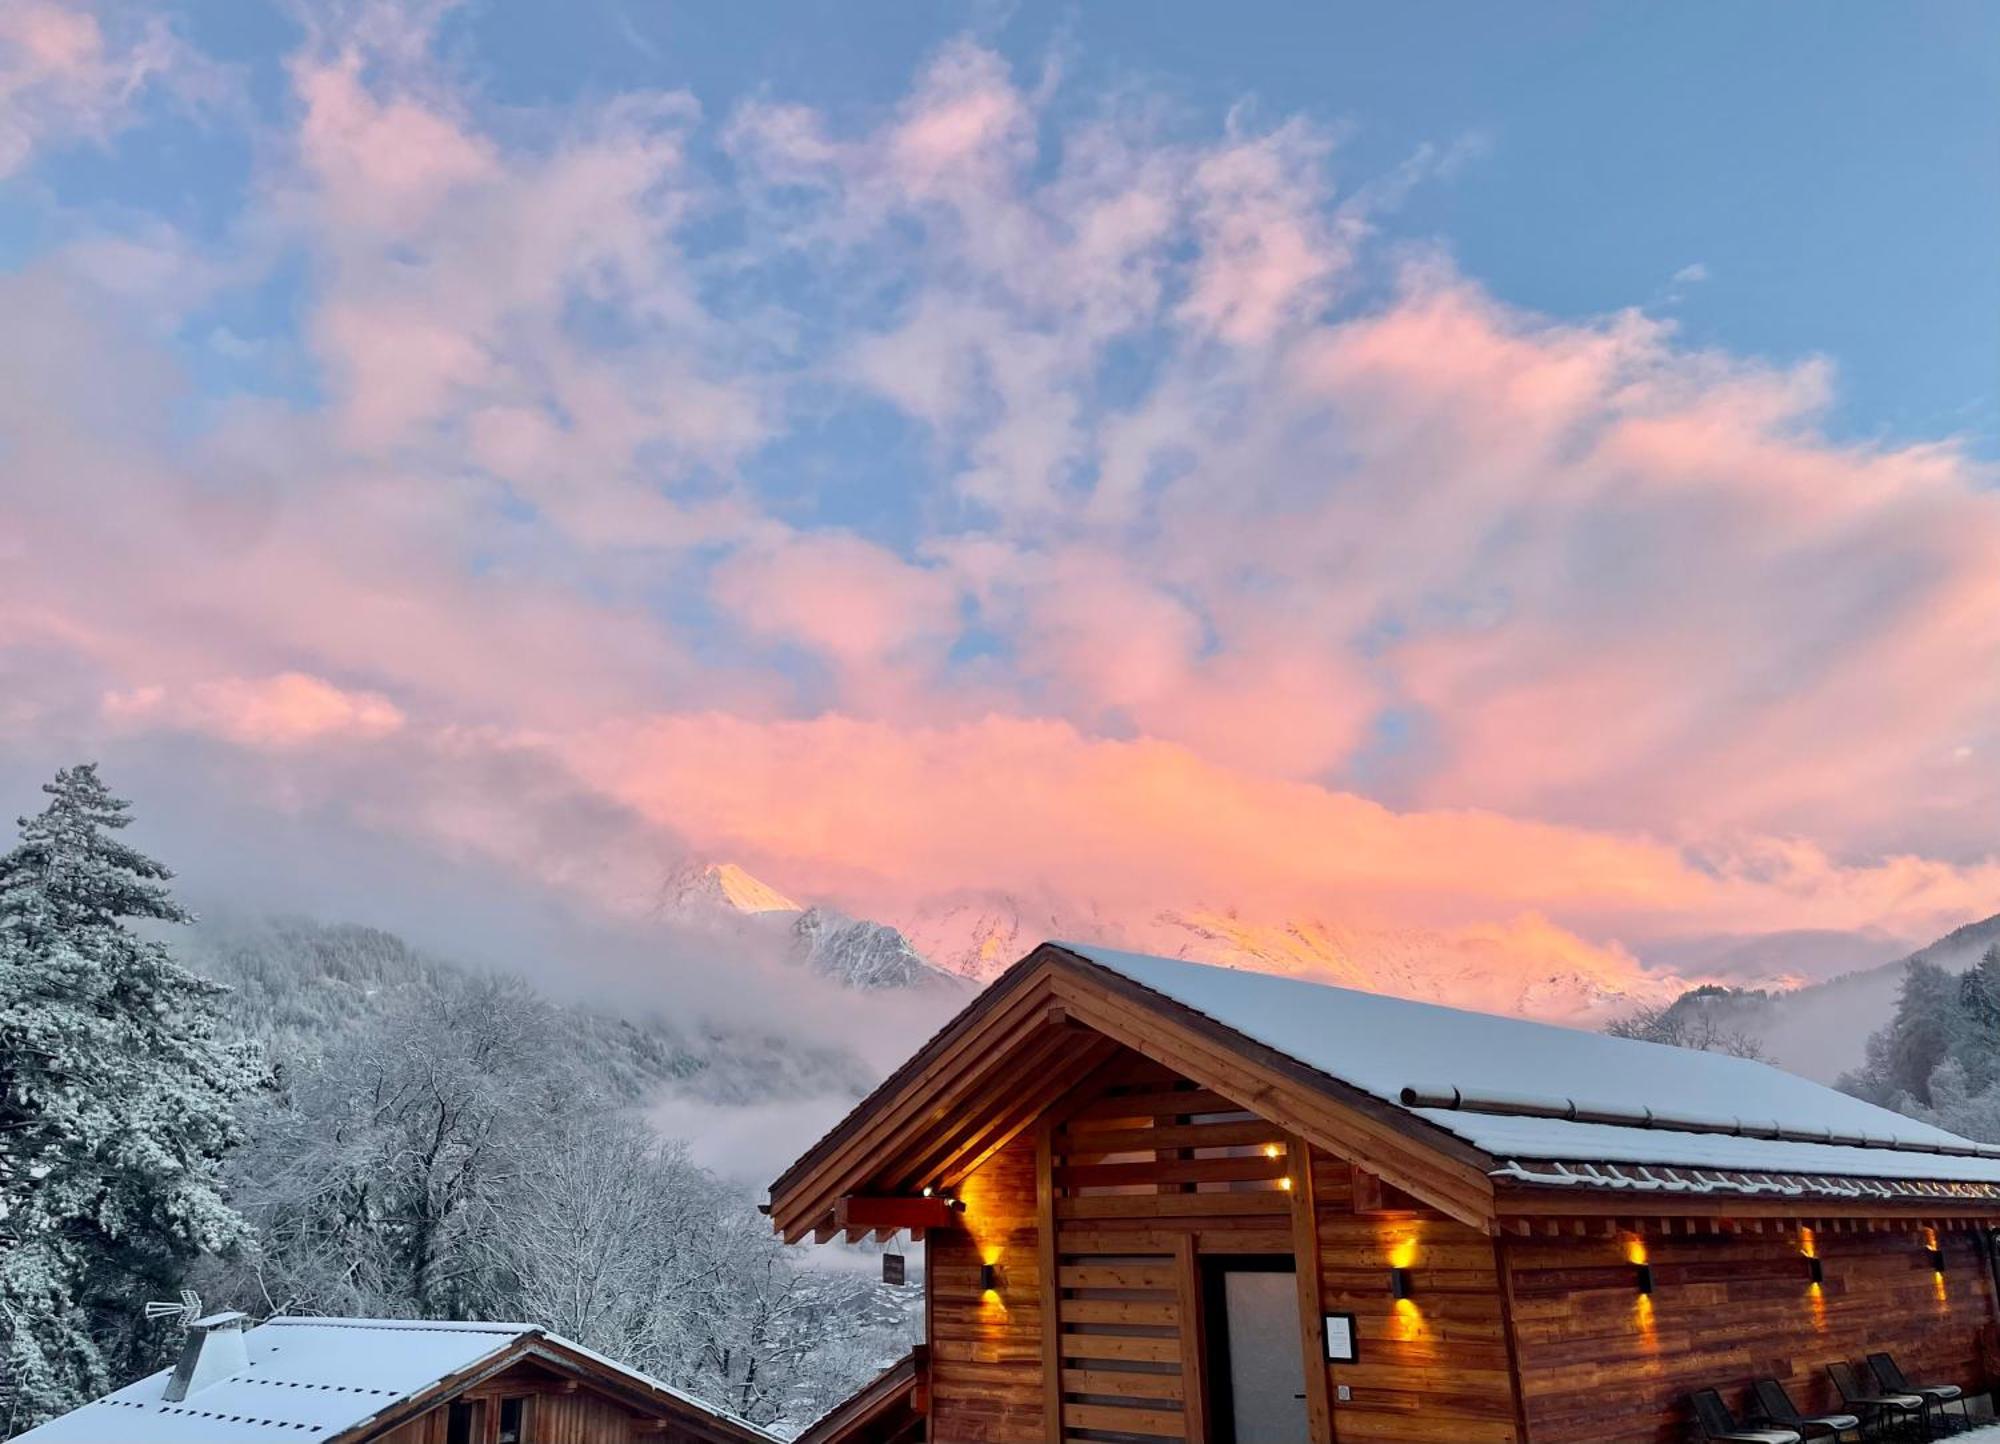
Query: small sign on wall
[
  {"x": 894, "y": 1269},
  {"x": 1340, "y": 1341}
]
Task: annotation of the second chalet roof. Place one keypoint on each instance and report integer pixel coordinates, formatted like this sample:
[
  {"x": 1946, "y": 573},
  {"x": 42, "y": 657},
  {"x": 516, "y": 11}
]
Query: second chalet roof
[
  {"x": 1524, "y": 1090},
  {"x": 310, "y": 1379}
]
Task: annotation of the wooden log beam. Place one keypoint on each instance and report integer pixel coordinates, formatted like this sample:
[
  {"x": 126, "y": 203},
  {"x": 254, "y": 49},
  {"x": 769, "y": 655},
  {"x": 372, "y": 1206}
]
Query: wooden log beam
[{"x": 857, "y": 1213}]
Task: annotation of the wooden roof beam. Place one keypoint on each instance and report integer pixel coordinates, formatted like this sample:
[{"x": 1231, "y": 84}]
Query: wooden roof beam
[{"x": 862, "y": 1214}]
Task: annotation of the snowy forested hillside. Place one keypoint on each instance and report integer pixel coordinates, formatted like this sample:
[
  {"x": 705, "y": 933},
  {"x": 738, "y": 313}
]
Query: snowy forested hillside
[
  {"x": 1821, "y": 1031},
  {"x": 438, "y": 1141},
  {"x": 296, "y": 984},
  {"x": 298, "y": 1117}
]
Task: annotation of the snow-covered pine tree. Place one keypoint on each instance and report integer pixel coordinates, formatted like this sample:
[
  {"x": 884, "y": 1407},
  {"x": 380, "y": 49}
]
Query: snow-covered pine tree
[{"x": 116, "y": 1097}]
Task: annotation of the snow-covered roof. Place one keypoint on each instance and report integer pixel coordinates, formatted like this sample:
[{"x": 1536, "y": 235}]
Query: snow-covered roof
[
  {"x": 1384, "y": 1046},
  {"x": 312, "y": 1379}
]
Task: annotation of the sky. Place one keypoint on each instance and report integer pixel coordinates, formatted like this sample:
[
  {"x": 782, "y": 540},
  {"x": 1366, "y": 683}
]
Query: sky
[{"x": 1524, "y": 474}]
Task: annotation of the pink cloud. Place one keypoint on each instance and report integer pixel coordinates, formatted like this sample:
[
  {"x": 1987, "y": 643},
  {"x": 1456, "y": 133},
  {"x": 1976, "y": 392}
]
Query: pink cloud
[
  {"x": 384, "y": 163},
  {"x": 1266, "y": 254},
  {"x": 851, "y": 601},
  {"x": 888, "y": 816},
  {"x": 966, "y": 117},
  {"x": 288, "y": 710},
  {"x": 397, "y": 368},
  {"x": 64, "y": 78}
]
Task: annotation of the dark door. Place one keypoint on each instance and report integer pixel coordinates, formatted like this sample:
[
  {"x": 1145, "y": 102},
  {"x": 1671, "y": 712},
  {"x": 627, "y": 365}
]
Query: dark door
[{"x": 1256, "y": 1363}]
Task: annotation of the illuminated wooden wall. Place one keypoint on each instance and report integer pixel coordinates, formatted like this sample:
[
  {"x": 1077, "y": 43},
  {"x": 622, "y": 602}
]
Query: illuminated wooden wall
[
  {"x": 1602, "y": 1364},
  {"x": 1142, "y": 1175},
  {"x": 1430, "y": 1366},
  {"x": 986, "y": 1345},
  {"x": 1540, "y": 1333}
]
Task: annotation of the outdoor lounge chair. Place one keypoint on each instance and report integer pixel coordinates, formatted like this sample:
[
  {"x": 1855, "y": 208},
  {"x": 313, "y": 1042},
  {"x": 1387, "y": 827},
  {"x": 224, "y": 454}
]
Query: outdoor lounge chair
[
  {"x": 1874, "y": 1406},
  {"x": 1774, "y": 1406},
  {"x": 1716, "y": 1422},
  {"x": 1883, "y": 1367}
]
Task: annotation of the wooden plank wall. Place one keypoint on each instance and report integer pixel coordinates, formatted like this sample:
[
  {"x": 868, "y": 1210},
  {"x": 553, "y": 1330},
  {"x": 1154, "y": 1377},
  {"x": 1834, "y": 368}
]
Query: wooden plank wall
[
  {"x": 1149, "y": 1174},
  {"x": 1430, "y": 1367},
  {"x": 1602, "y": 1365},
  {"x": 986, "y": 1366}
]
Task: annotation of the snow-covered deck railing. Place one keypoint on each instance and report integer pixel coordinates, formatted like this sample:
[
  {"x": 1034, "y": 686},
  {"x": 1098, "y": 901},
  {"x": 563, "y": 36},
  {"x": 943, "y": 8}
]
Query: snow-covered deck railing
[{"x": 1660, "y": 1179}]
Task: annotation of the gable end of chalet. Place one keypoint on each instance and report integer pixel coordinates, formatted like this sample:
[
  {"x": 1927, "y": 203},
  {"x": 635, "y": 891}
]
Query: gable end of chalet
[{"x": 1037, "y": 1032}]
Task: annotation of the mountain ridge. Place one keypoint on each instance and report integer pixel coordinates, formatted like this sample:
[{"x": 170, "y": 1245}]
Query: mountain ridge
[{"x": 967, "y": 939}]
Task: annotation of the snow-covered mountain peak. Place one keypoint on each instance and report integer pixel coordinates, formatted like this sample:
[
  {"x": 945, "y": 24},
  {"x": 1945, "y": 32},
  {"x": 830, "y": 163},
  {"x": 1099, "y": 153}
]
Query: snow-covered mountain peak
[
  {"x": 860, "y": 954},
  {"x": 722, "y": 885}
]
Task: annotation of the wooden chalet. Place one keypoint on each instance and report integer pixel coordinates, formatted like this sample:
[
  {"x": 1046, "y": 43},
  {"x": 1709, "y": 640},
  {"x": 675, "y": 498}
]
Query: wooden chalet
[
  {"x": 391, "y": 1381},
  {"x": 1162, "y": 1201}
]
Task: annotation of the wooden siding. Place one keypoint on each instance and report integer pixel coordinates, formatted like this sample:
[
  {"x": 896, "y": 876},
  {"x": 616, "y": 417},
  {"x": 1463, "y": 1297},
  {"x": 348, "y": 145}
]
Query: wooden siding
[
  {"x": 1433, "y": 1366},
  {"x": 1149, "y": 1173},
  {"x": 1144, "y": 1175},
  {"x": 1600, "y": 1364},
  {"x": 986, "y": 1366},
  {"x": 1101, "y": 1213}
]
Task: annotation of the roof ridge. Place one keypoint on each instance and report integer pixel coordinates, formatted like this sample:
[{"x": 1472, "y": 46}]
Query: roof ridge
[{"x": 450, "y": 1326}]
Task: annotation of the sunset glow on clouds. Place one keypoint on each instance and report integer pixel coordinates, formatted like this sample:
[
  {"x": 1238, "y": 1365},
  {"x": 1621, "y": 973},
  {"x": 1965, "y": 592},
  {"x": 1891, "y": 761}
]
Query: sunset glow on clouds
[{"x": 989, "y": 489}]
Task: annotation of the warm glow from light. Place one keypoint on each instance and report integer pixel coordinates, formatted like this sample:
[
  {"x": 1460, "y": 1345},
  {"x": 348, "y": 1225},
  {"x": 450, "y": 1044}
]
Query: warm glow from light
[
  {"x": 966, "y": 1198},
  {"x": 1643, "y": 1317},
  {"x": 1808, "y": 1245},
  {"x": 1816, "y": 1301},
  {"x": 1404, "y": 1254},
  {"x": 990, "y": 1298},
  {"x": 1285, "y": 1183},
  {"x": 1407, "y": 1320},
  {"x": 1270, "y": 1150}
]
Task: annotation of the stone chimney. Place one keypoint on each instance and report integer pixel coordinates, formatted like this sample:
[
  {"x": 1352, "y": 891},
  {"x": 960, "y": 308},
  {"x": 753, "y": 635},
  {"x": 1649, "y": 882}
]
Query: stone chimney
[{"x": 214, "y": 1351}]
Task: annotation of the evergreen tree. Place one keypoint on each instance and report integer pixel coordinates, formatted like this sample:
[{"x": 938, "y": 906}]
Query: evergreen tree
[
  {"x": 116, "y": 1095},
  {"x": 1920, "y": 1036}
]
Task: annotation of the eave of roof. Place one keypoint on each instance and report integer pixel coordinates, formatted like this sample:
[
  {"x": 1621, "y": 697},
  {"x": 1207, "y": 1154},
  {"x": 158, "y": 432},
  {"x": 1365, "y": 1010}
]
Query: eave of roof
[
  {"x": 1540, "y": 1178},
  {"x": 889, "y": 1392}
]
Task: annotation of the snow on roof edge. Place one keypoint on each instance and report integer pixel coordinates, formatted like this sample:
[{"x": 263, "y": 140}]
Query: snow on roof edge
[{"x": 1159, "y": 975}]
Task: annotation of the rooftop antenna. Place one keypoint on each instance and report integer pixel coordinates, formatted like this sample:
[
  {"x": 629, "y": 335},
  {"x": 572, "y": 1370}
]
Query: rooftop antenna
[{"x": 186, "y": 1310}]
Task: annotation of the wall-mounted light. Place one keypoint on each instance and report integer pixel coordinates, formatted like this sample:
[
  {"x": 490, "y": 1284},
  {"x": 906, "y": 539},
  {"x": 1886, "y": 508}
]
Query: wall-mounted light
[
  {"x": 1642, "y": 1277},
  {"x": 1816, "y": 1270},
  {"x": 1936, "y": 1256},
  {"x": 989, "y": 1278},
  {"x": 1399, "y": 1284}
]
